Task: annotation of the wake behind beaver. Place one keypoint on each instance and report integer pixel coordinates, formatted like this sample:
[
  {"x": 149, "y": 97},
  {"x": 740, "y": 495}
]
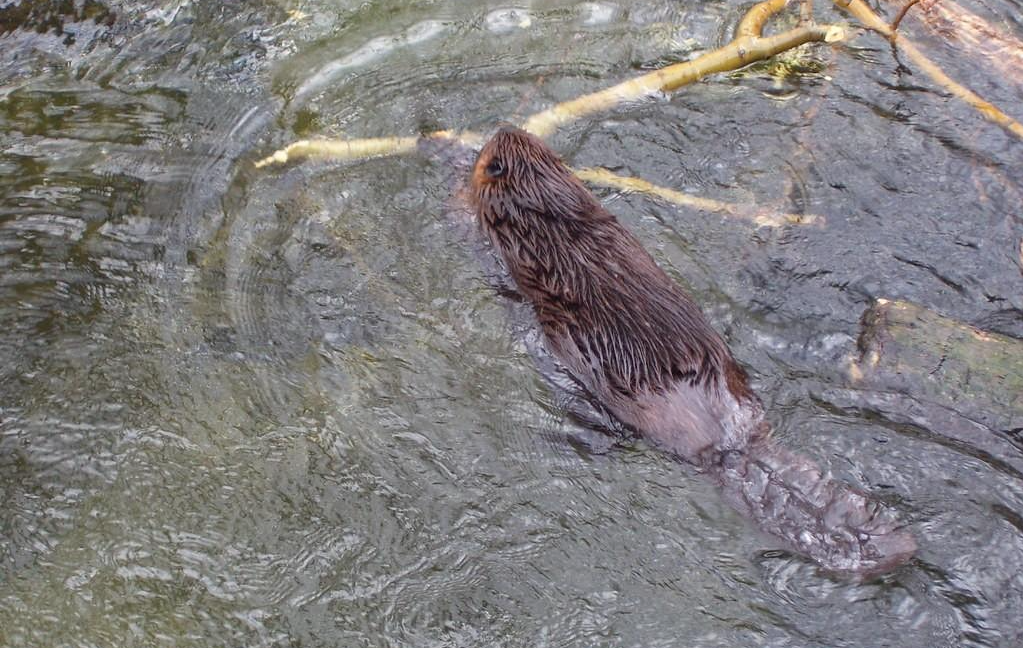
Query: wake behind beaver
[{"x": 643, "y": 350}]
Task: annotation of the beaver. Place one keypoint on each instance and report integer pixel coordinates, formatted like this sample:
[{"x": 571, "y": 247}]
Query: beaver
[{"x": 642, "y": 349}]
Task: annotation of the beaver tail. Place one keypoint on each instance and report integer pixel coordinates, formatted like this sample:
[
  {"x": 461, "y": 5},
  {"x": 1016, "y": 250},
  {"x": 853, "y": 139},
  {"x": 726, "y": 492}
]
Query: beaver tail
[{"x": 789, "y": 497}]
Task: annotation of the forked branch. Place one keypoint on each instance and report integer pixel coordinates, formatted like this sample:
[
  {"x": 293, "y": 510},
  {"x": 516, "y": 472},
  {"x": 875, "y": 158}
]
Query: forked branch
[
  {"x": 749, "y": 46},
  {"x": 871, "y": 20}
]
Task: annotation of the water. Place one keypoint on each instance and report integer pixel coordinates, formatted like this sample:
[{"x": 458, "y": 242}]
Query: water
[{"x": 284, "y": 408}]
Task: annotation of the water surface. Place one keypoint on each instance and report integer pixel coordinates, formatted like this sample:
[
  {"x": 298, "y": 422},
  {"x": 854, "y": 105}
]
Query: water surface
[{"x": 283, "y": 407}]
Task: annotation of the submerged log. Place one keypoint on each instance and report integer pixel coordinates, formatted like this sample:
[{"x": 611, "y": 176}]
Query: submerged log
[{"x": 960, "y": 378}]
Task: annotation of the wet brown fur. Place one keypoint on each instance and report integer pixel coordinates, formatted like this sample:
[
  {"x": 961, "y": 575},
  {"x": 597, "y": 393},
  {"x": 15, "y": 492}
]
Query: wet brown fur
[{"x": 589, "y": 279}]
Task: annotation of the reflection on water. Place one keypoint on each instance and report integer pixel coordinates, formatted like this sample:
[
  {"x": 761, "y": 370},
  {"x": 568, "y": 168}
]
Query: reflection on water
[{"x": 283, "y": 407}]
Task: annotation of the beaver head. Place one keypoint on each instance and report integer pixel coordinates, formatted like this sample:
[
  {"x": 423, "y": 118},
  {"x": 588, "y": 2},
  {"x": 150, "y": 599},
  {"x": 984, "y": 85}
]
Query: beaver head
[{"x": 517, "y": 177}]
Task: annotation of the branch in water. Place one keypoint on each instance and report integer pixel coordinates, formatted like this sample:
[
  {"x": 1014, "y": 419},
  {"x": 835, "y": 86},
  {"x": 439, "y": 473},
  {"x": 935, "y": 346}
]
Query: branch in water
[
  {"x": 762, "y": 217},
  {"x": 872, "y": 21},
  {"x": 902, "y": 14},
  {"x": 747, "y": 47},
  {"x": 357, "y": 149},
  {"x": 336, "y": 149},
  {"x": 752, "y": 24}
]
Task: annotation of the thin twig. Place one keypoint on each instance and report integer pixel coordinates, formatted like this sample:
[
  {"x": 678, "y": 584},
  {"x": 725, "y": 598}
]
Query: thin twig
[
  {"x": 902, "y": 14},
  {"x": 805, "y": 12}
]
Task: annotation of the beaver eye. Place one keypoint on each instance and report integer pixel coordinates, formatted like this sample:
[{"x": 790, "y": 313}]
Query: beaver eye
[{"x": 495, "y": 168}]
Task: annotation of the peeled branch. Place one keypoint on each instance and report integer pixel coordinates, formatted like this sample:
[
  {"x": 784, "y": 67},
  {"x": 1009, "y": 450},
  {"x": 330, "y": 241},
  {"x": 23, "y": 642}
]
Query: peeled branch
[
  {"x": 760, "y": 216},
  {"x": 748, "y": 46},
  {"x": 357, "y": 149}
]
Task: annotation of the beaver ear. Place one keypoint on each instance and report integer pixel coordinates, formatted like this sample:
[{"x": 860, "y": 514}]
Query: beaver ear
[{"x": 495, "y": 168}]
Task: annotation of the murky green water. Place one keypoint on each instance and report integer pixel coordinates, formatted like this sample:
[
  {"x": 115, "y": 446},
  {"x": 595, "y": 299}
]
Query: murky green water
[{"x": 284, "y": 408}]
